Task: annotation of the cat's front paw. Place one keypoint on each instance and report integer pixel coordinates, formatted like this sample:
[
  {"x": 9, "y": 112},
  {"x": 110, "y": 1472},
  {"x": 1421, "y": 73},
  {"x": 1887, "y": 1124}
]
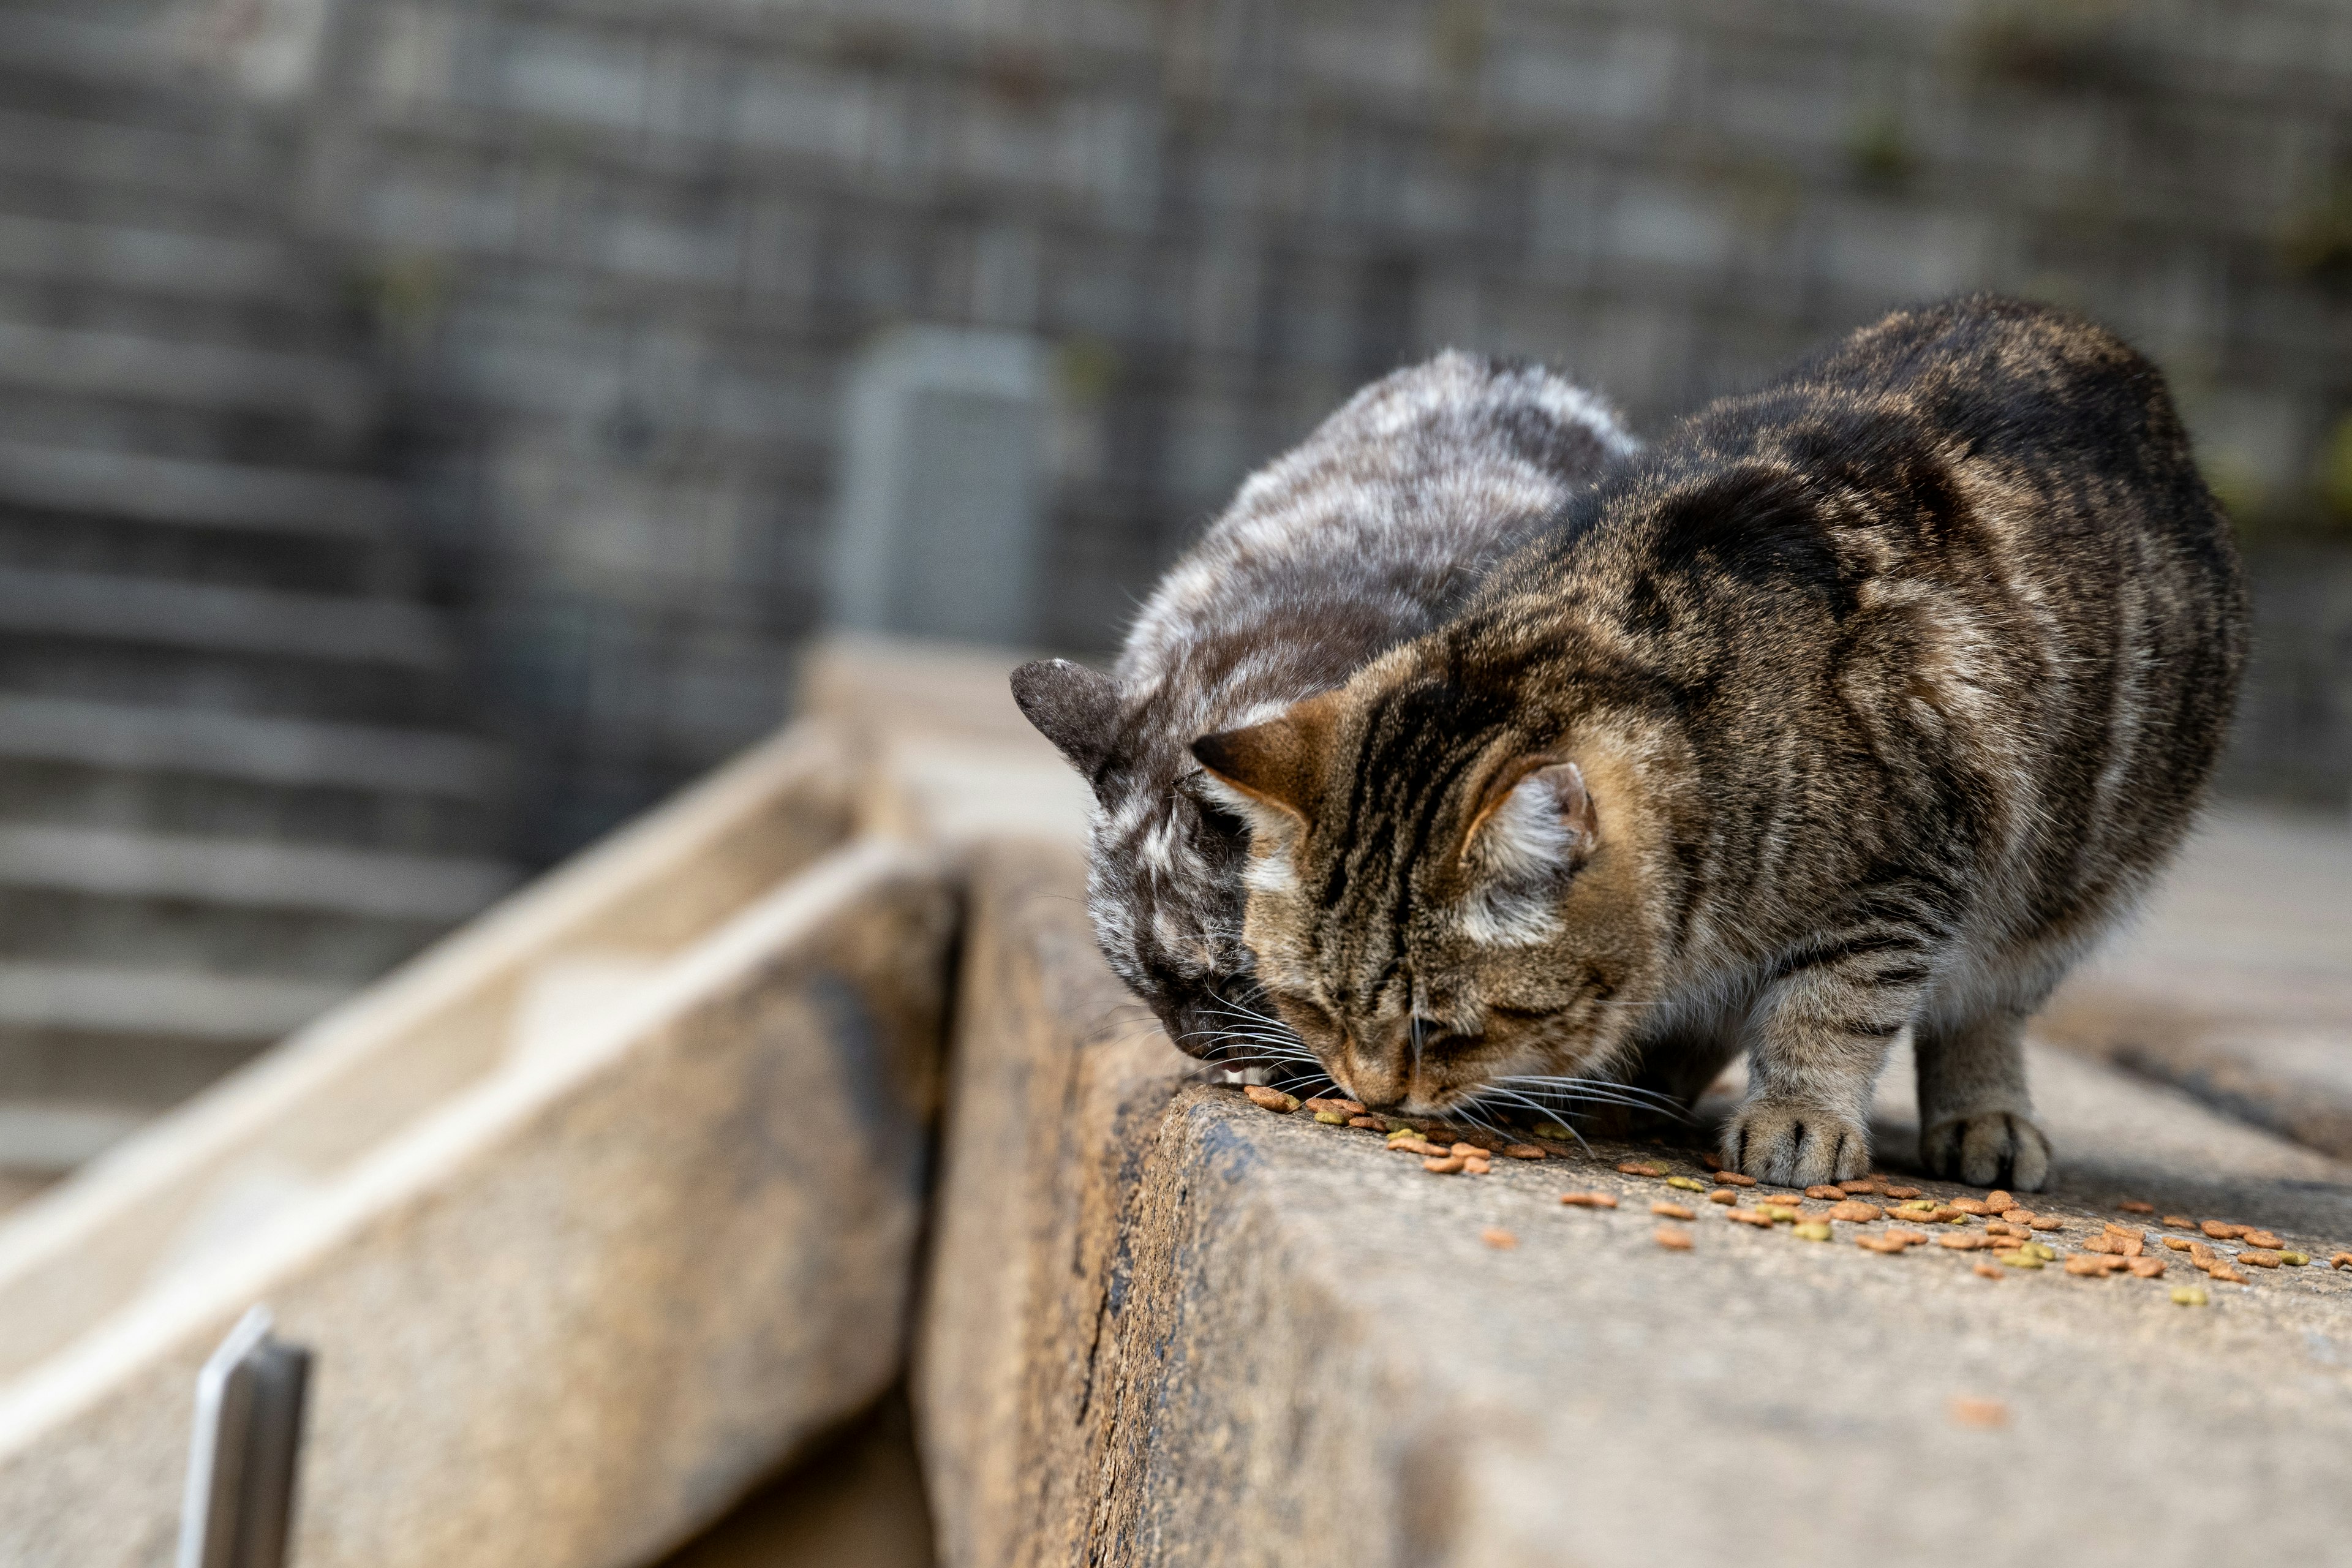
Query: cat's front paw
[
  {"x": 1796, "y": 1145},
  {"x": 1988, "y": 1149}
]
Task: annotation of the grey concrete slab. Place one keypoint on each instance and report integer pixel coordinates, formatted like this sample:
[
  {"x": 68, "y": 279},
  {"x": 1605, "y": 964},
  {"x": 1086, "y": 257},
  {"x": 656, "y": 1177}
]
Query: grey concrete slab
[
  {"x": 2237, "y": 985},
  {"x": 1166, "y": 1326},
  {"x": 577, "y": 1310}
]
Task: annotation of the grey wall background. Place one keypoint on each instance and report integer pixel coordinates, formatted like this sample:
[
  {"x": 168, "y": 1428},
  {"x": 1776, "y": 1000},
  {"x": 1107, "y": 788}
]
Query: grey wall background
[{"x": 619, "y": 253}]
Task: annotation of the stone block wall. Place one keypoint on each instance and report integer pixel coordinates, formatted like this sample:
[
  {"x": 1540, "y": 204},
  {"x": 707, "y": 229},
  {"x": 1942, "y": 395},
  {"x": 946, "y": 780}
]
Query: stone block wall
[{"x": 622, "y": 254}]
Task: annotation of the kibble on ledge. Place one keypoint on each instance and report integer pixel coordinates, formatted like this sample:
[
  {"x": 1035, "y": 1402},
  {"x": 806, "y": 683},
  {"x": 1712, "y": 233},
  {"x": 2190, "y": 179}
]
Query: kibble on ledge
[{"x": 1994, "y": 1224}]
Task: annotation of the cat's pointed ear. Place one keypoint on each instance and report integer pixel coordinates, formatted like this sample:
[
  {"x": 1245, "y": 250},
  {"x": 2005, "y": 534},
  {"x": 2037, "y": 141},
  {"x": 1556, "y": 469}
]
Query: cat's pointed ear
[
  {"x": 1270, "y": 768},
  {"x": 1072, "y": 706},
  {"x": 1535, "y": 816}
]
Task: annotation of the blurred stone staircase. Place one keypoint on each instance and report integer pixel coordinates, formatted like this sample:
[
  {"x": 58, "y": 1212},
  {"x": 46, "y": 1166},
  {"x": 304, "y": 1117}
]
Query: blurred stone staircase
[{"x": 235, "y": 776}]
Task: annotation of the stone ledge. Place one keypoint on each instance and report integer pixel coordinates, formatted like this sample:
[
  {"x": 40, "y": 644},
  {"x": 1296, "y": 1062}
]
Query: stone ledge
[
  {"x": 1161, "y": 1325},
  {"x": 305, "y": 1112},
  {"x": 574, "y": 1312}
]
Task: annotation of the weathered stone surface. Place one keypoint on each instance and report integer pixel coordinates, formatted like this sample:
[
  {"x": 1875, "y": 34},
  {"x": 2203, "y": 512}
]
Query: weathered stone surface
[
  {"x": 2237, "y": 986},
  {"x": 573, "y": 1313},
  {"x": 492, "y": 996},
  {"x": 1164, "y": 1326}
]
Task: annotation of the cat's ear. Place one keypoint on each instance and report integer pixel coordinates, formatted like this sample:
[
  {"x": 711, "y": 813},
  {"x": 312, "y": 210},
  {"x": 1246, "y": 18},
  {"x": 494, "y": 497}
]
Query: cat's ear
[
  {"x": 1072, "y": 706},
  {"x": 1536, "y": 816},
  {"x": 1270, "y": 769}
]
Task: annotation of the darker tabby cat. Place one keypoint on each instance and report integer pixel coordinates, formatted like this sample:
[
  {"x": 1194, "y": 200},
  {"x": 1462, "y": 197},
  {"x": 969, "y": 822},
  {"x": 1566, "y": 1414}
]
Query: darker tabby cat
[{"x": 1863, "y": 703}]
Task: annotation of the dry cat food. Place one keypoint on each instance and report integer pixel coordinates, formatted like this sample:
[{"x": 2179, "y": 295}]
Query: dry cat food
[
  {"x": 1757, "y": 1217},
  {"x": 1826, "y": 1193},
  {"x": 1496, "y": 1237},
  {"x": 1271, "y": 1099},
  {"x": 1346, "y": 1108},
  {"x": 1980, "y": 1411},
  {"x": 1640, "y": 1168},
  {"x": 1998, "y": 1202},
  {"x": 2132, "y": 1205},
  {"x": 1723, "y": 1195},
  {"x": 1589, "y": 1200},
  {"x": 1525, "y": 1151},
  {"x": 1812, "y": 1230},
  {"x": 1853, "y": 1211},
  {"x": 1372, "y": 1123},
  {"x": 2180, "y": 1222},
  {"x": 2220, "y": 1231},
  {"x": 1734, "y": 1179},
  {"x": 1443, "y": 1165},
  {"x": 2261, "y": 1238},
  {"x": 1988, "y": 1270},
  {"x": 1672, "y": 1211},
  {"x": 1685, "y": 1184},
  {"x": 2187, "y": 1295},
  {"x": 1673, "y": 1240}
]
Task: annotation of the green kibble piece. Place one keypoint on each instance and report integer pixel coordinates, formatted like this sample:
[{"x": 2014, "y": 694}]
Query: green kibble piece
[
  {"x": 1780, "y": 1215},
  {"x": 2042, "y": 1249},
  {"x": 1330, "y": 1119},
  {"x": 1686, "y": 1185},
  {"x": 2187, "y": 1295},
  {"x": 2021, "y": 1260},
  {"x": 1554, "y": 1129},
  {"x": 1812, "y": 1230},
  {"x": 2295, "y": 1259}
]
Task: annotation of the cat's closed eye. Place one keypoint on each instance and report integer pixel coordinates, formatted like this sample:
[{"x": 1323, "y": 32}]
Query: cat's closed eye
[{"x": 1434, "y": 1036}]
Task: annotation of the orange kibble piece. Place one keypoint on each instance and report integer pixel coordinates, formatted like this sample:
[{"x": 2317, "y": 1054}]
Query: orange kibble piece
[
  {"x": 1496, "y": 1237},
  {"x": 1672, "y": 1211},
  {"x": 1673, "y": 1240}
]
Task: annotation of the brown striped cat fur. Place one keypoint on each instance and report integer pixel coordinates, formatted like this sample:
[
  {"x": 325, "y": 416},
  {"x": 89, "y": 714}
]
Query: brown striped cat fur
[{"x": 1863, "y": 703}]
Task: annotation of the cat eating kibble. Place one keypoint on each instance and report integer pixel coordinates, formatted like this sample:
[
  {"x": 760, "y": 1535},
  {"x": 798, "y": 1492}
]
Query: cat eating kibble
[
  {"x": 1861, "y": 704},
  {"x": 1370, "y": 532}
]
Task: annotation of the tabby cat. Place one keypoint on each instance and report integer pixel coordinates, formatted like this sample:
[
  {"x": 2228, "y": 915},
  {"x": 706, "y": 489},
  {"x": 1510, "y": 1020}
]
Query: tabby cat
[
  {"x": 1370, "y": 532},
  {"x": 1862, "y": 703}
]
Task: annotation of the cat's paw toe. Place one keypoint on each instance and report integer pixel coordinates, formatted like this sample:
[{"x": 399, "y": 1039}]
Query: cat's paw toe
[
  {"x": 1796, "y": 1145},
  {"x": 1991, "y": 1148}
]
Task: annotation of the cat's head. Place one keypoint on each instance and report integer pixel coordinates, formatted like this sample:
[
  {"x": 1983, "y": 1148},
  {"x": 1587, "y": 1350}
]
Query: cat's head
[
  {"x": 1164, "y": 878},
  {"x": 1444, "y": 895}
]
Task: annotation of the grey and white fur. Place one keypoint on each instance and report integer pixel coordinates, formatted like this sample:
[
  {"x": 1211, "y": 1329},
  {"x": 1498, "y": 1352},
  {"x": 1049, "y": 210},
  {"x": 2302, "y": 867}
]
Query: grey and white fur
[{"x": 1369, "y": 533}]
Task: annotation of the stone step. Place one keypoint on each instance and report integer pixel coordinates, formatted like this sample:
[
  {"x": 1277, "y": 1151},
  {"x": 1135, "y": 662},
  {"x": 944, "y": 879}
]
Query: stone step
[
  {"x": 294, "y": 752},
  {"x": 396, "y": 695},
  {"x": 210, "y": 619},
  {"x": 194, "y": 1005},
  {"x": 89, "y": 170},
  {"x": 156, "y": 868},
  {"x": 47, "y": 1139},
  {"x": 227, "y": 497},
  {"x": 180, "y": 265},
  {"x": 41, "y": 921},
  {"x": 335, "y": 397}
]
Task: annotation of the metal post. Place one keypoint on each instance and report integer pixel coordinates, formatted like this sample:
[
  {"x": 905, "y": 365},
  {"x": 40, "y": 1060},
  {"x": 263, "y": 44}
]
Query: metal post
[{"x": 239, "y": 1508}]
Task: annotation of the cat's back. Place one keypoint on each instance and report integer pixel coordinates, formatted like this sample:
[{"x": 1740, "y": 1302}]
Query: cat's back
[{"x": 1381, "y": 519}]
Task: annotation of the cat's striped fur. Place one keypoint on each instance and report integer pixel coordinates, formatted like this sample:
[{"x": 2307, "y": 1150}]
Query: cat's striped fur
[
  {"x": 1861, "y": 703},
  {"x": 1371, "y": 531}
]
